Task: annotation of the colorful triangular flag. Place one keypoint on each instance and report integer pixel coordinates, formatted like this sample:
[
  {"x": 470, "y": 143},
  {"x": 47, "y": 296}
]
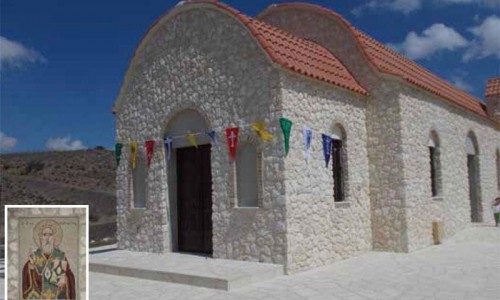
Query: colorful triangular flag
[
  {"x": 260, "y": 129},
  {"x": 232, "y": 141},
  {"x": 149, "y": 150},
  {"x": 167, "y": 141},
  {"x": 327, "y": 146},
  {"x": 192, "y": 139},
  {"x": 118, "y": 152},
  {"x": 213, "y": 137},
  {"x": 307, "y": 132},
  {"x": 286, "y": 127},
  {"x": 133, "y": 153}
]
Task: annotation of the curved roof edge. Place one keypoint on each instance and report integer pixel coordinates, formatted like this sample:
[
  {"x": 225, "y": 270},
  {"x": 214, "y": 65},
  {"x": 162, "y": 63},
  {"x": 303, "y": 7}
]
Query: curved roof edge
[
  {"x": 388, "y": 61},
  {"x": 286, "y": 50}
]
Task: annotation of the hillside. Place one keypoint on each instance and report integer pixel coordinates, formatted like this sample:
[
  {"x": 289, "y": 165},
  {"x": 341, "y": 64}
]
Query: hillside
[{"x": 63, "y": 177}]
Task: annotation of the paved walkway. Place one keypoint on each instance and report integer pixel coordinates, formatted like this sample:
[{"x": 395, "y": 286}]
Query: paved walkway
[{"x": 465, "y": 267}]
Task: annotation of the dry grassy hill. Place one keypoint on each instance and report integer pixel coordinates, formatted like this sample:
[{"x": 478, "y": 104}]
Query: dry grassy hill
[{"x": 63, "y": 177}]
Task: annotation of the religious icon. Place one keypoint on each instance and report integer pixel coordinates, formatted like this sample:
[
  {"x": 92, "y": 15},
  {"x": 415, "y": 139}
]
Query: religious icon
[
  {"x": 47, "y": 273},
  {"x": 47, "y": 253}
]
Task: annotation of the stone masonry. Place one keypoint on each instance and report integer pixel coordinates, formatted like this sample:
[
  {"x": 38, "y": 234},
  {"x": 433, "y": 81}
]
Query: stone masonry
[{"x": 200, "y": 57}]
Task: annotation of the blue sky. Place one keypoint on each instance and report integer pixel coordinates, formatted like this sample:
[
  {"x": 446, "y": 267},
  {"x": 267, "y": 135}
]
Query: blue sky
[{"x": 62, "y": 62}]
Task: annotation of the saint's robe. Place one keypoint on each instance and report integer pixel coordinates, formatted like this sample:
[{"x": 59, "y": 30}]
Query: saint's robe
[{"x": 43, "y": 272}]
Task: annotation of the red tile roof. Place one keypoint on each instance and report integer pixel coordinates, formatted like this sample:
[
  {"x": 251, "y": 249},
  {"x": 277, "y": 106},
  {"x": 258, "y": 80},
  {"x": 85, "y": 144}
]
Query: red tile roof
[
  {"x": 387, "y": 60},
  {"x": 493, "y": 87},
  {"x": 294, "y": 53}
]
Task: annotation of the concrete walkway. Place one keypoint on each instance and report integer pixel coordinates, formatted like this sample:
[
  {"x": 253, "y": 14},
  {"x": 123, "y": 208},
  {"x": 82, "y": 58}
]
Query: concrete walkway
[
  {"x": 194, "y": 270},
  {"x": 464, "y": 267}
]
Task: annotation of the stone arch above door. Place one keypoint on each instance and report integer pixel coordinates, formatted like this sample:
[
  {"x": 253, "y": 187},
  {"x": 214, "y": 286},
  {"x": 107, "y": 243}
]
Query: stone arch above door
[{"x": 184, "y": 121}]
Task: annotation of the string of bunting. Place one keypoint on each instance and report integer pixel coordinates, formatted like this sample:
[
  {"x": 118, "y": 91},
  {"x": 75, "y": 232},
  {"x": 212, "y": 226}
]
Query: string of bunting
[{"x": 232, "y": 141}]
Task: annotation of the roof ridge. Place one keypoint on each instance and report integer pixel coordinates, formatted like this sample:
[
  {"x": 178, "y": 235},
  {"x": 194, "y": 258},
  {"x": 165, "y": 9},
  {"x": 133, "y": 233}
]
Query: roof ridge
[
  {"x": 387, "y": 60},
  {"x": 414, "y": 64}
]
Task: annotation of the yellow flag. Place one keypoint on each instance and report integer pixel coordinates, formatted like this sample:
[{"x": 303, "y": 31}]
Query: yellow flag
[
  {"x": 133, "y": 153},
  {"x": 192, "y": 139},
  {"x": 260, "y": 129}
]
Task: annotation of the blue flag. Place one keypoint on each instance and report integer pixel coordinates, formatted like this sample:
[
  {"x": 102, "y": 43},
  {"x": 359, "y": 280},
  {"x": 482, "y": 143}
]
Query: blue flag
[
  {"x": 327, "y": 146},
  {"x": 168, "y": 144},
  {"x": 307, "y": 141},
  {"x": 213, "y": 138}
]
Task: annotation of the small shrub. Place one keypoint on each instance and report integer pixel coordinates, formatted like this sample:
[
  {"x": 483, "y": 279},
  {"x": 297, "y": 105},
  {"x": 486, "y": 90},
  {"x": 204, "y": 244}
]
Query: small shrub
[{"x": 33, "y": 166}]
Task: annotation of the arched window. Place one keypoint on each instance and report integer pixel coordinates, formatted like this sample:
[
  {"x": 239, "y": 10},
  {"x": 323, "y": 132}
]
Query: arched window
[
  {"x": 339, "y": 159},
  {"x": 472, "y": 150},
  {"x": 247, "y": 179},
  {"x": 435, "y": 163},
  {"x": 498, "y": 170},
  {"x": 139, "y": 174}
]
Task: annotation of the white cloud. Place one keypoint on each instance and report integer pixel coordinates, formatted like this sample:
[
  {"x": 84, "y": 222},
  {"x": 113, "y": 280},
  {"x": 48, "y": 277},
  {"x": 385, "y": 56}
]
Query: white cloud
[
  {"x": 486, "y": 40},
  {"x": 64, "y": 144},
  {"x": 436, "y": 38},
  {"x": 487, "y": 3},
  {"x": 460, "y": 83},
  {"x": 408, "y": 6},
  {"x": 7, "y": 142},
  {"x": 15, "y": 54},
  {"x": 404, "y": 6}
]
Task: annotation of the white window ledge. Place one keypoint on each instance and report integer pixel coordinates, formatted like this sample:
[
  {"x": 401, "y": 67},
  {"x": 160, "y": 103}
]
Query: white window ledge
[
  {"x": 342, "y": 204},
  {"x": 247, "y": 207}
]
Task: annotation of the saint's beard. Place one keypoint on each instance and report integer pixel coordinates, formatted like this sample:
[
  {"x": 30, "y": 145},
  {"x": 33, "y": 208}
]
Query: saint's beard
[{"x": 48, "y": 247}]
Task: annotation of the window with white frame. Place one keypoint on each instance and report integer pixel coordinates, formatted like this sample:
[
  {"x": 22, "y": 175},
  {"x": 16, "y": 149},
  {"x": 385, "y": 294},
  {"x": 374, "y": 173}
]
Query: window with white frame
[
  {"x": 435, "y": 164},
  {"x": 498, "y": 169},
  {"x": 339, "y": 159},
  {"x": 139, "y": 174}
]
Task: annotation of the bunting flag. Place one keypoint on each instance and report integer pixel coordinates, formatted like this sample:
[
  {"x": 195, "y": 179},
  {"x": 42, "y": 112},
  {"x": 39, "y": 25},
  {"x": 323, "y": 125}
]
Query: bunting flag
[
  {"x": 149, "y": 150},
  {"x": 192, "y": 139},
  {"x": 286, "y": 127},
  {"x": 260, "y": 129},
  {"x": 213, "y": 137},
  {"x": 307, "y": 141},
  {"x": 232, "y": 141},
  {"x": 327, "y": 146},
  {"x": 133, "y": 153},
  {"x": 167, "y": 141},
  {"x": 118, "y": 152}
]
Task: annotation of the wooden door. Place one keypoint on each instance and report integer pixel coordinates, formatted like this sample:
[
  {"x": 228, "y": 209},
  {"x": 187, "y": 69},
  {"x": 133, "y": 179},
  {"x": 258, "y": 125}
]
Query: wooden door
[{"x": 194, "y": 199}]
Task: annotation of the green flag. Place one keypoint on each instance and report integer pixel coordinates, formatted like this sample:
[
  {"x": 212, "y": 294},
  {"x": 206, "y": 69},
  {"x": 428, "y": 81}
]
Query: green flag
[
  {"x": 118, "y": 152},
  {"x": 286, "y": 126}
]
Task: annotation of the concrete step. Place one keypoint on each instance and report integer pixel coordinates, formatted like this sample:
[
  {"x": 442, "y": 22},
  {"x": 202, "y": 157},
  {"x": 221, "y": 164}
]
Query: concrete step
[{"x": 181, "y": 268}]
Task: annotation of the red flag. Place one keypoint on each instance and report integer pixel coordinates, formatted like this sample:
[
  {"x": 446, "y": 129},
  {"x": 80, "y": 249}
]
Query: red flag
[
  {"x": 232, "y": 141},
  {"x": 149, "y": 150}
]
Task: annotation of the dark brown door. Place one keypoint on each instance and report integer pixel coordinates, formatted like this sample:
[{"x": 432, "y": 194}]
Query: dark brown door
[{"x": 194, "y": 199}]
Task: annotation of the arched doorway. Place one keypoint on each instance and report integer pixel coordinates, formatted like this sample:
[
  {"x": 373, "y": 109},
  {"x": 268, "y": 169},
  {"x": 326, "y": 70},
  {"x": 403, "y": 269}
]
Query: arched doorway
[
  {"x": 472, "y": 151},
  {"x": 190, "y": 184}
]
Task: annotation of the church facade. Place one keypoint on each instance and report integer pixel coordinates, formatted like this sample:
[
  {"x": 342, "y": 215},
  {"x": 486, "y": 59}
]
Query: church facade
[{"x": 408, "y": 149}]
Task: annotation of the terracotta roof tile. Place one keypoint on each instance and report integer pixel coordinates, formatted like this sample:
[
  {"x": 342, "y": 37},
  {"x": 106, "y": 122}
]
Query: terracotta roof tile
[
  {"x": 296, "y": 54},
  {"x": 493, "y": 87},
  {"x": 388, "y": 61}
]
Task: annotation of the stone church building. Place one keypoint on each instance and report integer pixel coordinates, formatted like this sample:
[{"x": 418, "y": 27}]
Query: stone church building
[{"x": 409, "y": 149}]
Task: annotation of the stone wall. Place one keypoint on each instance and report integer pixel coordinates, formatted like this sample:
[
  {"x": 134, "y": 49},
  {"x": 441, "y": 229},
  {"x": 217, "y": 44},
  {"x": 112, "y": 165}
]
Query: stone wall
[
  {"x": 422, "y": 112},
  {"x": 387, "y": 193},
  {"x": 382, "y": 114},
  {"x": 320, "y": 230},
  {"x": 204, "y": 59},
  {"x": 16, "y": 260}
]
